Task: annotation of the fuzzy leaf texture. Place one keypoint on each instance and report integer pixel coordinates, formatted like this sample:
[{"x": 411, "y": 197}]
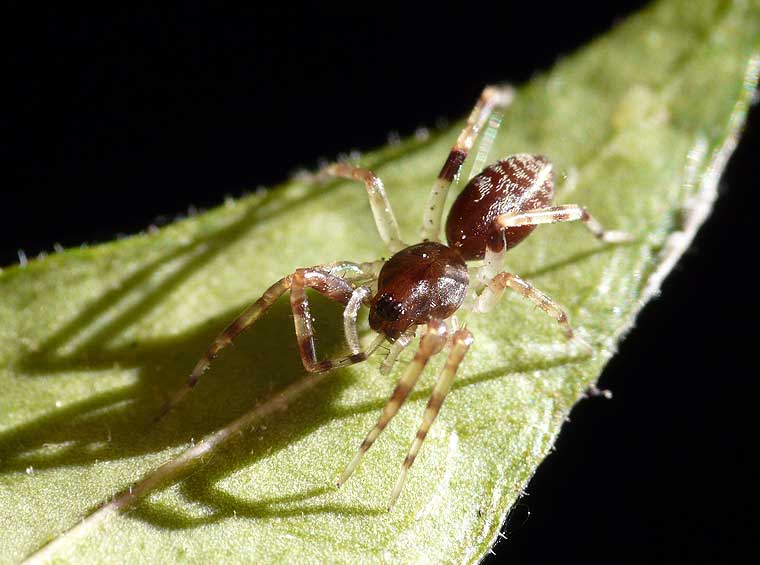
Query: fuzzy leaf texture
[{"x": 93, "y": 340}]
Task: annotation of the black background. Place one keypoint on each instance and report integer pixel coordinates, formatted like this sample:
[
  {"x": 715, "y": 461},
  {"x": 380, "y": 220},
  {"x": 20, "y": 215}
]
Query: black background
[{"x": 118, "y": 119}]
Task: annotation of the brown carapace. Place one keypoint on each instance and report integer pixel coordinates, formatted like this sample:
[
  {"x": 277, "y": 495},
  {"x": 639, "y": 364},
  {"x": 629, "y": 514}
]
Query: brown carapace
[{"x": 426, "y": 288}]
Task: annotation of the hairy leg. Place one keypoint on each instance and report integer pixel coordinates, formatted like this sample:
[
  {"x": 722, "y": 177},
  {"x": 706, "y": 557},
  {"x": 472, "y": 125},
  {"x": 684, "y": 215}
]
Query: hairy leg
[
  {"x": 491, "y": 97},
  {"x": 385, "y": 220},
  {"x": 461, "y": 341},
  {"x": 235, "y": 328},
  {"x": 431, "y": 343},
  {"x": 494, "y": 290},
  {"x": 566, "y": 213},
  {"x": 335, "y": 288}
]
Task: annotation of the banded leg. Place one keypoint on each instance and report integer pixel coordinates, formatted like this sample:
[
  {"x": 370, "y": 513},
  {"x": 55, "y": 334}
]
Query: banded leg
[
  {"x": 495, "y": 289},
  {"x": 566, "y": 213},
  {"x": 462, "y": 340},
  {"x": 251, "y": 314},
  {"x": 491, "y": 97},
  {"x": 430, "y": 344},
  {"x": 235, "y": 328},
  {"x": 385, "y": 220},
  {"x": 333, "y": 287}
]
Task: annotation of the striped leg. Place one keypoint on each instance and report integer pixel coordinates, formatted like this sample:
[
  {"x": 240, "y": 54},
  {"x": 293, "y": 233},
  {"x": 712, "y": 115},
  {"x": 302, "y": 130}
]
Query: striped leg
[
  {"x": 238, "y": 325},
  {"x": 378, "y": 200},
  {"x": 495, "y": 289},
  {"x": 333, "y": 287},
  {"x": 321, "y": 280},
  {"x": 566, "y": 213},
  {"x": 462, "y": 340},
  {"x": 430, "y": 344},
  {"x": 492, "y": 97}
]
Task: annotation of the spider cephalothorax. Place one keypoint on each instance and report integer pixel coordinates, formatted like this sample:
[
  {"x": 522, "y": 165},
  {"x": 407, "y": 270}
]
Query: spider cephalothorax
[
  {"x": 428, "y": 284},
  {"x": 417, "y": 284}
]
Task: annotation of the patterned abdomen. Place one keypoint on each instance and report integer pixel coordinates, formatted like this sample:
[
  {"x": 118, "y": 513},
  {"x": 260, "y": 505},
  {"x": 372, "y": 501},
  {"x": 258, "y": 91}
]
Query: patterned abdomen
[{"x": 515, "y": 184}]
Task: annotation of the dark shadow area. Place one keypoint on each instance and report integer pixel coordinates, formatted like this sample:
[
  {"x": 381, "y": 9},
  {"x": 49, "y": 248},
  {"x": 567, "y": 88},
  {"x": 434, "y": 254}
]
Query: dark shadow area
[
  {"x": 101, "y": 427},
  {"x": 224, "y": 506},
  {"x": 201, "y": 488},
  {"x": 118, "y": 424},
  {"x": 195, "y": 257}
]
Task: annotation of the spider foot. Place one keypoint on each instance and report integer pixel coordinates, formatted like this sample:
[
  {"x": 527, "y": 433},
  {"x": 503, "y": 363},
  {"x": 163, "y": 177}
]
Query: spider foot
[
  {"x": 593, "y": 392},
  {"x": 617, "y": 237},
  {"x": 581, "y": 344}
]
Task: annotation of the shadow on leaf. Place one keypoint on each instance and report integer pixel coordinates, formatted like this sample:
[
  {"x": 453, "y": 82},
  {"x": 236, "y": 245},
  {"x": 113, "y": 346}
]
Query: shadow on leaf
[{"x": 118, "y": 424}]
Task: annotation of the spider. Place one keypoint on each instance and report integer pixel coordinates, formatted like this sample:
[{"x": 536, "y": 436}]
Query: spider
[{"x": 428, "y": 284}]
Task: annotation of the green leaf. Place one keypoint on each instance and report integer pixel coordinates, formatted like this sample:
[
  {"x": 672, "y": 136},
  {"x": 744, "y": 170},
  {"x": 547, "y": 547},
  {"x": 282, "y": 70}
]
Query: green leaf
[{"x": 94, "y": 339}]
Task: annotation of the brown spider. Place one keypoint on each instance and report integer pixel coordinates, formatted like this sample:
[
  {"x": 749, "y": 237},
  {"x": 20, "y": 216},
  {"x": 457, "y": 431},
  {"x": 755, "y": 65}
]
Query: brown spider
[{"x": 429, "y": 282}]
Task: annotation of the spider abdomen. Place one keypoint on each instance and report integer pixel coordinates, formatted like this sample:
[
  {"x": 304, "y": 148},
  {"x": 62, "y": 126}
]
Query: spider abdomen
[
  {"x": 515, "y": 184},
  {"x": 419, "y": 283}
]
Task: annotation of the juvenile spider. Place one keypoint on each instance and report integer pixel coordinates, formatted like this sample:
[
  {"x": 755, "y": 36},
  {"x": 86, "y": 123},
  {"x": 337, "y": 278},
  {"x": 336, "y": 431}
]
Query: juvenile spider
[{"x": 429, "y": 283}]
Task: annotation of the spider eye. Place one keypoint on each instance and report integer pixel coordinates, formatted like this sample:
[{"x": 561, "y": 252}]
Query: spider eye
[{"x": 387, "y": 308}]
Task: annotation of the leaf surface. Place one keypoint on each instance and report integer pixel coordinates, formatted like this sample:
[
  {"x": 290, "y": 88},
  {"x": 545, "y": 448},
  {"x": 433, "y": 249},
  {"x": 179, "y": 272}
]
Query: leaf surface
[{"x": 641, "y": 122}]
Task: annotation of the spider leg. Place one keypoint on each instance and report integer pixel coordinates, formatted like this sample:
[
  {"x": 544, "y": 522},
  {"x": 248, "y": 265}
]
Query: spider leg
[
  {"x": 358, "y": 297},
  {"x": 491, "y": 97},
  {"x": 493, "y": 262},
  {"x": 566, "y": 213},
  {"x": 462, "y": 339},
  {"x": 494, "y": 290},
  {"x": 368, "y": 270},
  {"x": 395, "y": 350},
  {"x": 326, "y": 283},
  {"x": 385, "y": 220},
  {"x": 431, "y": 343},
  {"x": 355, "y": 273},
  {"x": 337, "y": 289},
  {"x": 235, "y": 328},
  {"x": 486, "y": 143}
]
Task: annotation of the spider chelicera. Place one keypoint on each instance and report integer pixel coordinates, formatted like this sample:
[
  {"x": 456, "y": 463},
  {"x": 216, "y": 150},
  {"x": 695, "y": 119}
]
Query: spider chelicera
[{"x": 429, "y": 283}]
